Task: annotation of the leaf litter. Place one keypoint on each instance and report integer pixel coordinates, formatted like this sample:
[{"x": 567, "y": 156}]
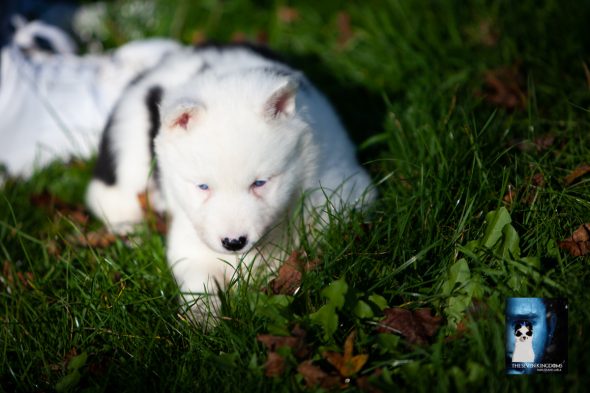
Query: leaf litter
[
  {"x": 290, "y": 274},
  {"x": 416, "y": 326},
  {"x": 579, "y": 243},
  {"x": 576, "y": 174},
  {"x": 504, "y": 87}
]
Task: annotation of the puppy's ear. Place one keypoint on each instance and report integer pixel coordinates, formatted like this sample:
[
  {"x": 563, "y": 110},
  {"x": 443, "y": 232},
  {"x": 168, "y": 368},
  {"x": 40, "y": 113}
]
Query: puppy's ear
[
  {"x": 281, "y": 104},
  {"x": 182, "y": 115}
]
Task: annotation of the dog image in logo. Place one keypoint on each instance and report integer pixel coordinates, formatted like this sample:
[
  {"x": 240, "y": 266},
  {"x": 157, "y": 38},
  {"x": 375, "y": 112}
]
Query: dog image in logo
[{"x": 523, "y": 343}]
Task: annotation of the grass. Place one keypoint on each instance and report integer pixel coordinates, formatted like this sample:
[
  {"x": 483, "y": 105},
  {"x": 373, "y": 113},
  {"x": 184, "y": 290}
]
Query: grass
[{"x": 409, "y": 81}]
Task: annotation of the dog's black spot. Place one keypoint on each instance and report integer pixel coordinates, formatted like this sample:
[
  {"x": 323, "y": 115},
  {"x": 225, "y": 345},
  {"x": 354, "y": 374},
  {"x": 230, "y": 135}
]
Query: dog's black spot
[
  {"x": 152, "y": 101},
  {"x": 104, "y": 169}
]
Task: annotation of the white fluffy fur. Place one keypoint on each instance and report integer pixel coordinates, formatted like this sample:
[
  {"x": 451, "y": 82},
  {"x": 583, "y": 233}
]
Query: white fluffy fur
[{"x": 226, "y": 127}]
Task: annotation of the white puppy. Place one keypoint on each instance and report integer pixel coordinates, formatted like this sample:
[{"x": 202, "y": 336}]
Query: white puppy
[{"x": 239, "y": 138}]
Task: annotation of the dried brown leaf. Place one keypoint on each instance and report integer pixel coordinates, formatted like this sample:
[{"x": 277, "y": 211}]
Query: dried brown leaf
[
  {"x": 96, "y": 239},
  {"x": 287, "y": 14},
  {"x": 579, "y": 243},
  {"x": 274, "y": 365},
  {"x": 50, "y": 202},
  {"x": 538, "y": 180},
  {"x": 504, "y": 87},
  {"x": 576, "y": 174},
  {"x": 314, "y": 376},
  {"x": 415, "y": 327},
  {"x": 272, "y": 343},
  {"x": 346, "y": 364},
  {"x": 12, "y": 278},
  {"x": 289, "y": 276},
  {"x": 538, "y": 144},
  {"x": 429, "y": 322},
  {"x": 296, "y": 342},
  {"x": 344, "y": 27}
]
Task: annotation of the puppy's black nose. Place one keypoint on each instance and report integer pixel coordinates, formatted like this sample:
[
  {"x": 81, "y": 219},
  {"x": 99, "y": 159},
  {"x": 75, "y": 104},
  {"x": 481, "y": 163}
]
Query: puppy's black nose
[{"x": 234, "y": 244}]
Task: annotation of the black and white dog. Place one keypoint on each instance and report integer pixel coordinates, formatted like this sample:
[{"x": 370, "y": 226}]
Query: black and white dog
[{"x": 523, "y": 342}]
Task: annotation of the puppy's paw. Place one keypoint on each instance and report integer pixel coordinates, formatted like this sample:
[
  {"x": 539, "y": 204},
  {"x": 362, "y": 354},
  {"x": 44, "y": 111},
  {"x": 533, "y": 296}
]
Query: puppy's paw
[{"x": 118, "y": 208}]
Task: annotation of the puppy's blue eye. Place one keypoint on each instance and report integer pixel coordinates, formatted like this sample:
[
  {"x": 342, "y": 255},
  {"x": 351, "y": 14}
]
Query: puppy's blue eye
[
  {"x": 258, "y": 183},
  {"x": 203, "y": 187}
]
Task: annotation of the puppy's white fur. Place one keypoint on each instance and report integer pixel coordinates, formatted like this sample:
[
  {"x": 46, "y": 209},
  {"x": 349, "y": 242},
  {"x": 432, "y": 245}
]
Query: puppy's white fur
[{"x": 242, "y": 139}]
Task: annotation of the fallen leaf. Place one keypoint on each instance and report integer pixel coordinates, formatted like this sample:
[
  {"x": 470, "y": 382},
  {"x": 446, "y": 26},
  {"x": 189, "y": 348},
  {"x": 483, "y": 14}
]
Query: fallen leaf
[
  {"x": 290, "y": 274},
  {"x": 314, "y": 376},
  {"x": 346, "y": 364},
  {"x": 538, "y": 144},
  {"x": 579, "y": 243},
  {"x": 345, "y": 32},
  {"x": 429, "y": 322},
  {"x": 503, "y": 87},
  {"x": 577, "y": 173},
  {"x": 544, "y": 142},
  {"x": 538, "y": 180},
  {"x": 96, "y": 239},
  {"x": 11, "y": 278},
  {"x": 287, "y": 14},
  {"x": 296, "y": 342},
  {"x": 416, "y": 327},
  {"x": 50, "y": 202},
  {"x": 275, "y": 365}
]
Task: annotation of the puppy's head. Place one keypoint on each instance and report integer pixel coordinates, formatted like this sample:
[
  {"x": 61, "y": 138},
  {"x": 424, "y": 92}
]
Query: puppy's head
[
  {"x": 523, "y": 331},
  {"x": 233, "y": 153}
]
